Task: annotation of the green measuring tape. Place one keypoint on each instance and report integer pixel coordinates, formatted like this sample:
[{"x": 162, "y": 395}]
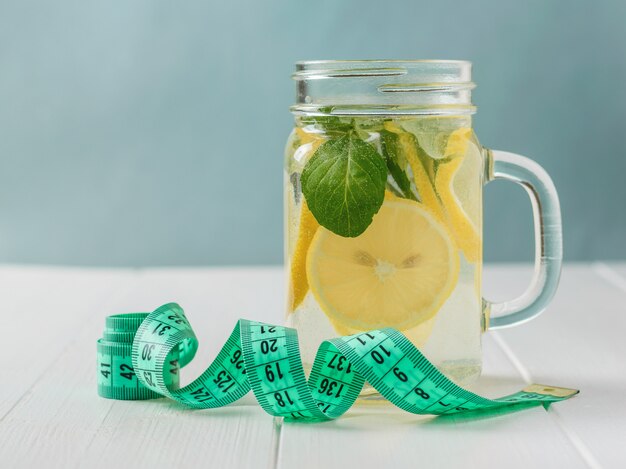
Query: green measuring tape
[{"x": 140, "y": 356}]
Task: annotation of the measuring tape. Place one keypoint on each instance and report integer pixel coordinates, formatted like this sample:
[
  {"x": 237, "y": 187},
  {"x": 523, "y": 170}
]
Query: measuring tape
[{"x": 140, "y": 356}]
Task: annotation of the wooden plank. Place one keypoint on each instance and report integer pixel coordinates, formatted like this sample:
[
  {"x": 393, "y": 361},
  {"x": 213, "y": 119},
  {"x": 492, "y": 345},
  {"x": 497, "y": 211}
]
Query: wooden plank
[
  {"x": 578, "y": 342},
  {"x": 61, "y": 421},
  {"x": 387, "y": 437},
  {"x": 43, "y": 308}
]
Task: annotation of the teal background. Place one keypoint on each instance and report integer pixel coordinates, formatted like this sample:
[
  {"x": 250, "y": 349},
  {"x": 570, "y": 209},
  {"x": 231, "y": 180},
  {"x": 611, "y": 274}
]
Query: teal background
[{"x": 151, "y": 132}]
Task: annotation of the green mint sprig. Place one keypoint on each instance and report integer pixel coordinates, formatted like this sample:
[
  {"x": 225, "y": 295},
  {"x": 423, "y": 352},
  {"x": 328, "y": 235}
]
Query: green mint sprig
[
  {"x": 344, "y": 184},
  {"x": 390, "y": 145}
]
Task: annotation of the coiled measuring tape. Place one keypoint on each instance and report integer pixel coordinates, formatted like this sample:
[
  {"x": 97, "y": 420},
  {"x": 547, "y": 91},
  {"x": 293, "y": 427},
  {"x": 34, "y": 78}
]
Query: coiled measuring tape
[{"x": 140, "y": 356}]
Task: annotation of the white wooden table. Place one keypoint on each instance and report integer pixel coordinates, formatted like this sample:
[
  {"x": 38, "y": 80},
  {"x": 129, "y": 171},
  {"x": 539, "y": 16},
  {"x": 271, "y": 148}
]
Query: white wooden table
[{"x": 51, "y": 416}]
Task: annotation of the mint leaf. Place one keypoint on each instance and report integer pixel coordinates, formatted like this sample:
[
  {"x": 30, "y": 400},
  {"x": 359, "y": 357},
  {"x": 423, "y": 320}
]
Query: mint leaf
[
  {"x": 344, "y": 184},
  {"x": 390, "y": 144}
]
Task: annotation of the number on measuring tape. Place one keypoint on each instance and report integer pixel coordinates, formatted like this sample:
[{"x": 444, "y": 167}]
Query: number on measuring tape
[
  {"x": 161, "y": 329},
  {"x": 105, "y": 369},
  {"x": 339, "y": 362},
  {"x": 127, "y": 372},
  {"x": 331, "y": 388},
  {"x": 380, "y": 354},
  {"x": 281, "y": 397},
  {"x": 201, "y": 394},
  {"x": 272, "y": 372},
  {"x": 146, "y": 353},
  {"x": 400, "y": 375},
  {"x": 268, "y": 346}
]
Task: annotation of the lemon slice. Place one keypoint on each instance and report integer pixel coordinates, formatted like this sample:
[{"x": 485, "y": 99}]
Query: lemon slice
[
  {"x": 458, "y": 142},
  {"x": 309, "y": 137},
  {"x": 298, "y": 285},
  {"x": 420, "y": 167},
  {"x": 459, "y": 191},
  {"x": 398, "y": 273}
]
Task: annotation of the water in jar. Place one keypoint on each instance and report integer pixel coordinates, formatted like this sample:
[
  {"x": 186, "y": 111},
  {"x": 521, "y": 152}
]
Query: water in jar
[{"x": 417, "y": 266}]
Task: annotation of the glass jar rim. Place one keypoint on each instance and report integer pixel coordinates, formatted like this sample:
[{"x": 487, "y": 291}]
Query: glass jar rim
[
  {"x": 396, "y": 61},
  {"x": 444, "y": 70},
  {"x": 383, "y": 86}
]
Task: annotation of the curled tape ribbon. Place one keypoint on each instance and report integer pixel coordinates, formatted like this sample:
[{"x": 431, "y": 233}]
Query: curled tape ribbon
[{"x": 140, "y": 356}]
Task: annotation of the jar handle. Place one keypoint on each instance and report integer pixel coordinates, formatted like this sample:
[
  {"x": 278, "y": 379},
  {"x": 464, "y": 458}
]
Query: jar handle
[{"x": 548, "y": 239}]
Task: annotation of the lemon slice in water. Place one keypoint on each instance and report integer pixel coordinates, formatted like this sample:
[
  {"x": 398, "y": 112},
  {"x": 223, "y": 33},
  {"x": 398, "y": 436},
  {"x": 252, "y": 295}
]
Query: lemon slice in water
[
  {"x": 458, "y": 188},
  {"x": 306, "y": 227},
  {"x": 299, "y": 286},
  {"x": 398, "y": 273}
]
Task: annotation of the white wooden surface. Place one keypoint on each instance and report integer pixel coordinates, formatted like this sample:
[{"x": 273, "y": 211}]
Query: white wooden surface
[{"x": 51, "y": 416}]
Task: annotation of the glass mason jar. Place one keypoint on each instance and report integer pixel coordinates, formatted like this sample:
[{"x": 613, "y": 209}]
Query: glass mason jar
[{"x": 383, "y": 211}]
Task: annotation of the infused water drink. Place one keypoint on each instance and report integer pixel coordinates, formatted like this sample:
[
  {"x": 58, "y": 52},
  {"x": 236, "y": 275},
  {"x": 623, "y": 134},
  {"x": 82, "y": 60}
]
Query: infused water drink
[{"x": 383, "y": 228}]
